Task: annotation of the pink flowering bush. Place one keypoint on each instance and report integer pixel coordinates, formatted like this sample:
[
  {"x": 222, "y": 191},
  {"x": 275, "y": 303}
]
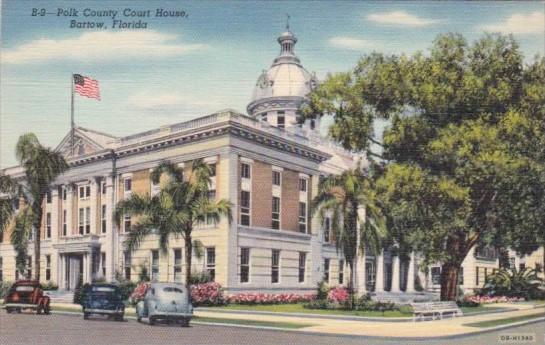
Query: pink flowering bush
[
  {"x": 207, "y": 294},
  {"x": 338, "y": 295},
  {"x": 494, "y": 299},
  {"x": 139, "y": 292},
  {"x": 262, "y": 298}
]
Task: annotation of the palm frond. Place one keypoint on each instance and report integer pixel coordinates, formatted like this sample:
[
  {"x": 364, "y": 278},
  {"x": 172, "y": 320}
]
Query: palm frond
[
  {"x": 198, "y": 249},
  {"x": 172, "y": 170},
  {"x": 20, "y": 235},
  {"x": 138, "y": 232},
  {"x": 135, "y": 205}
]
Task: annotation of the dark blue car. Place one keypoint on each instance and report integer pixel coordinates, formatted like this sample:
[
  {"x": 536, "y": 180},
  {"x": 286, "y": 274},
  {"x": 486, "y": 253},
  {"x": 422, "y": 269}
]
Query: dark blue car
[{"x": 103, "y": 299}]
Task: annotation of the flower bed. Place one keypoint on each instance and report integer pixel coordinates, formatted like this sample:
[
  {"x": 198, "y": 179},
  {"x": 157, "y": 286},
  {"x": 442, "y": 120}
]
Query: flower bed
[
  {"x": 338, "y": 294},
  {"x": 261, "y": 298},
  {"x": 207, "y": 294},
  {"x": 494, "y": 299}
]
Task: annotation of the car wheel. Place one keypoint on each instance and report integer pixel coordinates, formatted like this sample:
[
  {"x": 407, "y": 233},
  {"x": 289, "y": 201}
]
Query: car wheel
[
  {"x": 138, "y": 317},
  {"x": 119, "y": 317},
  {"x": 9, "y": 310},
  {"x": 151, "y": 321},
  {"x": 85, "y": 316},
  {"x": 185, "y": 323},
  {"x": 47, "y": 310},
  {"x": 39, "y": 310}
]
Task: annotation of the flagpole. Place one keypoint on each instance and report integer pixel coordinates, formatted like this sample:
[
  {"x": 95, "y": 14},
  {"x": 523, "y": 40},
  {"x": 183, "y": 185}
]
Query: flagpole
[{"x": 72, "y": 113}]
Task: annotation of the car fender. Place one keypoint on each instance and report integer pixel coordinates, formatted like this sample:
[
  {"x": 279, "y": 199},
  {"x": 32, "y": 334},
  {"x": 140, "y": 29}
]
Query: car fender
[{"x": 44, "y": 300}]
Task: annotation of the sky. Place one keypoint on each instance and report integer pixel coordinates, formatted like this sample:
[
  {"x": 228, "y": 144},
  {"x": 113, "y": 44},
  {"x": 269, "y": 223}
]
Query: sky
[{"x": 180, "y": 68}]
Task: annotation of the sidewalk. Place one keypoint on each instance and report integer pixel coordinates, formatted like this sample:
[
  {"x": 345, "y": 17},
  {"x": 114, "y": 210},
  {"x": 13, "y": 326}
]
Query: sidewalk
[{"x": 325, "y": 325}]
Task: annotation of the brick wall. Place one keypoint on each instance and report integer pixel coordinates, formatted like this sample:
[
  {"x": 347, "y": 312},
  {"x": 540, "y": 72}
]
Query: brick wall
[
  {"x": 290, "y": 201},
  {"x": 261, "y": 195}
]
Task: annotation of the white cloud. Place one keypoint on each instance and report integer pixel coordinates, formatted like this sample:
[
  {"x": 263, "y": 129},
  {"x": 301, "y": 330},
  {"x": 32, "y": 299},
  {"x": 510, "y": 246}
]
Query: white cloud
[
  {"x": 100, "y": 46},
  {"x": 533, "y": 23},
  {"x": 351, "y": 43},
  {"x": 400, "y": 18}
]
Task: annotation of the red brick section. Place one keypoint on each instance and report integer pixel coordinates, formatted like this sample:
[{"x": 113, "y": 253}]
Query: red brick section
[
  {"x": 261, "y": 197},
  {"x": 289, "y": 218}
]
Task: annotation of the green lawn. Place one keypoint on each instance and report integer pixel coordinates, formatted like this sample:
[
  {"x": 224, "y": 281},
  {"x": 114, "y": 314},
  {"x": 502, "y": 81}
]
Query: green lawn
[
  {"x": 492, "y": 323},
  {"x": 479, "y": 309},
  {"x": 298, "y": 308}
]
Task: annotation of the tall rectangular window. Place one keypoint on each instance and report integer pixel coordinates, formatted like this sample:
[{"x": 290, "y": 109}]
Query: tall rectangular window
[
  {"x": 244, "y": 265},
  {"x": 48, "y": 197},
  {"x": 127, "y": 263},
  {"x": 87, "y": 220},
  {"x": 280, "y": 119},
  {"x": 177, "y": 265},
  {"x": 327, "y": 229},
  {"x": 461, "y": 276},
  {"x": 302, "y": 266},
  {"x": 212, "y": 169},
  {"x": 341, "y": 271},
  {"x": 154, "y": 265},
  {"x": 1, "y": 269},
  {"x": 127, "y": 184},
  {"x": 275, "y": 266},
  {"x": 48, "y": 225},
  {"x": 244, "y": 208},
  {"x": 275, "y": 213},
  {"x": 436, "y": 275},
  {"x": 155, "y": 188},
  {"x": 477, "y": 281},
  {"x": 103, "y": 219},
  {"x": 276, "y": 178},
  {"x": 64, "y": 193},
  {"x": 303, "y": 217},
  {"x": 48, "y": 267},
  {"x": 103, "y": 187},
  {"x": 103, "y": 263},
  {"x": 303, "y": 184},
  {"x": 127, "y": 223},
  {"x": 326, "y": 270},
  {"x": 29, "y": 267},
  {"x": 84, "y": 192},
  {"x": 245, "y": 170},
  {"x": 211, "y": 262},
  {"x": 81, "y": 220},
  {"x": 64, "y": 224}
]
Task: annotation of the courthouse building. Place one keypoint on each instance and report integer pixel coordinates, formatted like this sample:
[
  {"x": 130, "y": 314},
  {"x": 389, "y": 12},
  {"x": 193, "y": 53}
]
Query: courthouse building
[{"x": 265, "y": 164}]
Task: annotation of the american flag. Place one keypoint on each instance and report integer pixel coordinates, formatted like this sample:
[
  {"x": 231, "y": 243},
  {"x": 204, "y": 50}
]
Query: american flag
[{"x": 86, "y": 86}]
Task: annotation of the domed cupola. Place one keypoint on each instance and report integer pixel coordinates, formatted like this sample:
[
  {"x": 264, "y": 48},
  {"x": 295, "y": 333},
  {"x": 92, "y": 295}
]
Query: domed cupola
[{"x": 280, "y": 90}]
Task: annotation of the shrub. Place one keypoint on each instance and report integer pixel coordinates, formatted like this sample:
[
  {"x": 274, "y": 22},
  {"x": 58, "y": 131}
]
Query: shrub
[
  {"x": 143, "y": 276},
  {"x": 322, "y": 291},
  {"x": 338, "y": 295},
  {"x": 512, "y": 283},
  {"x": 4, "y": 288},
  {"x": 49, "y": 286},
  {"x": 207, "y": 294},
  {"x": 261, "y": 298},
  {"x": 494, "y": 299},
  {"x": 468, "y": 303},
  {"x": 79, "y": 292},
  {"x": 201, "y": 277},
  {"x": 139, "y": 292},
  {"x": 127, "y": 288},
  {"x": 320, "y": 304}
]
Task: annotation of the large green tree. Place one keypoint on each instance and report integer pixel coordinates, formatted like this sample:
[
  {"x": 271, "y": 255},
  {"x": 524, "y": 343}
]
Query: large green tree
[
  {"x": 181, "y": 204},
  {"x": 41, "y": 166},
  {"x": 351, "y": 202},
  {"x": 457, "y": 171}
]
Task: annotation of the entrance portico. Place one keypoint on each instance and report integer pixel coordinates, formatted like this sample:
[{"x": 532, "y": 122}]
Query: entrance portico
[{"x": 78, "y": 260}]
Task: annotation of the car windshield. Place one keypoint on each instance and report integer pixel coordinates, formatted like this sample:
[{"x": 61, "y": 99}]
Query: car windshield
[
  {"x": 24, "y": 288},
  {"x": 103, "y": 289},
  {"x": 171, "y": 289}
]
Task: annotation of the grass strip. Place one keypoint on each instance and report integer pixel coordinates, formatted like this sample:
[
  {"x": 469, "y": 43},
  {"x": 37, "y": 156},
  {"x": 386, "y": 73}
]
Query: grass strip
[{"x": 499, "y": 322}]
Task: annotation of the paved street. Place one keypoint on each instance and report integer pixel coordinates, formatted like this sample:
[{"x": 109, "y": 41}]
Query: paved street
[{"x": 72, "y": 329}]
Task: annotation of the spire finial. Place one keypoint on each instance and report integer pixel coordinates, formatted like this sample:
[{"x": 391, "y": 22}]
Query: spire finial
[{"x": 288, "y": 21}]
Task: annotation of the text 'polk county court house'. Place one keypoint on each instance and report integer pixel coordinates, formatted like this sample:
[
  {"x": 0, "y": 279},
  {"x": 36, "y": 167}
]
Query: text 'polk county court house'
[{"x": 265, "y": 164}]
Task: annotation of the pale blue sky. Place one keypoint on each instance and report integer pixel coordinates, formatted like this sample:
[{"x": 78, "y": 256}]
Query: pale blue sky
[{"x": 179, "y": 69}]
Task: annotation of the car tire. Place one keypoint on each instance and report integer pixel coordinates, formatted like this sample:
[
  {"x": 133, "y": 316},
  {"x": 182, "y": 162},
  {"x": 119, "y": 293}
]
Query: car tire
[
  {"x": 119, "y": 318},
  {"x": 47, "y": 310},
  {"x": 85, "y": 316},
  {"x": 39, "y": 310},
  {"x": 138, "y": 318},
  {"x": 185, "y": 323},
  {"x": 151, "y": 321}
]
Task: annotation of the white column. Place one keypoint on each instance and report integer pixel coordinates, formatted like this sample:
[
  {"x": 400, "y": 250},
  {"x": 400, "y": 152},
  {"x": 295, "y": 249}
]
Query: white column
[
  {"x": 231, "y": 159},
  {"x": 410, "y": 274},
  {"x": 109, "y": 246},
  {"x": 95, "y": 229},
  {"x": 85, "y": 268},
  {"x": 379, "y": 279},
  {"x": 55, "y": 214},
  {"x": 60, "y": 271},
  {"x": 69, "y": 207},
  {"x": 396, "y": 277}
]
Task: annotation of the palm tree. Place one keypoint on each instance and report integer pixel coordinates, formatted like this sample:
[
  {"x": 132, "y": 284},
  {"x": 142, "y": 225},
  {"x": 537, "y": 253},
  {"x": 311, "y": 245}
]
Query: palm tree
[
  {"x": 181, "y": 205},
  {"x": 41, "y": 166},
  {"x": 343, "y": 196}
]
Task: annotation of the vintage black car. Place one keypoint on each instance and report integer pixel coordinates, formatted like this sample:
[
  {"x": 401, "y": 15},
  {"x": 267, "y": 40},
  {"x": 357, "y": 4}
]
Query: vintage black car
[{"x": 103, "y": 299}]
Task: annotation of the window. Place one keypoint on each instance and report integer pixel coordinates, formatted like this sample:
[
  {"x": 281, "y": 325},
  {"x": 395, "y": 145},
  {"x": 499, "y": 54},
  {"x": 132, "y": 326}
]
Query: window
[
  {"x": 177, "y": 265},
  {"x": 275, "y": 213},
  {"x": 64, "y": 193},
  {"x": 81, "y": 220},
  {"x": 127, "y": 184},
  {"x": 245, "y": 170},
  {"x": 48, "y": 197},
  {"x": 127, "y": 223},
  {"x": 477, "y": 276},
  {"x": 326, "y": 270},
  {"x": 312, "y": 124},
  {"x": 341, "y": 271},
  {"x": 244, "y": 208},
  {"x": 281, "y": 119},
  {"x": 275, "y": 266},
  {"x": 327, "y": 229},
  {"x": 127, "y": 264},
  {"x": 211, "y": 262},
  {"x": 303, "y": 184},
  {"x": 302, "y": 266},
  {"x": 84, "y": 192},
  {"x": 244, "y": 265},
  {"x": 1, "y": 269},
  {"x": 29, "y": 267},
  {"x": 103, "y": 263},
  {"x": 212, "y": 169},
  {"x": 436, "y": 275},
  {"x": 103, "y": 187},
  {"x": 87, "y": 220},
  {"x": 154, "y": 265},
  {"x": 276, "y": 178},
  {"x": 155, "y": 188},
  {"x": 522, "y": 267},
  {"x": 48, "y": 267},
  {"x": 64, "y": 226},
  {"x": 48, "y": 225},
  {"x": 461, "y": 276},
  {"x": 103, "y": 219},
  {"x": 303, "y": 217}
]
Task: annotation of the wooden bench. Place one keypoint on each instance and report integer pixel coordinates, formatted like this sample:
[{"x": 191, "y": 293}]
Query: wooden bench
[{"x": 435, "y": 310}]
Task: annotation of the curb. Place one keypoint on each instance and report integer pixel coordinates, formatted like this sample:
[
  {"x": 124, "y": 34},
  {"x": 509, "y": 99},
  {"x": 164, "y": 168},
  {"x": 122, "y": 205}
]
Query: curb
[{"x": 344, "y": 335}]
